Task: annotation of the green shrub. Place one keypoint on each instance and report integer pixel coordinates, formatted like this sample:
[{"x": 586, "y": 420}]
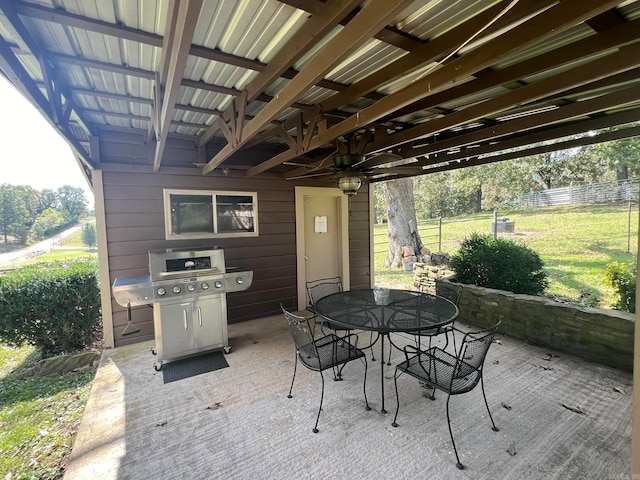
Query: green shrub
[
  {"x": 623, "y": 281},
  {"x": 52, "y": 306},
  {"x": 499, "y": 263}
]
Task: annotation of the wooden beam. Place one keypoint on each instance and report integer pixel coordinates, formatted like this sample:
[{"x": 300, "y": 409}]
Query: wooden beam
[
  {"x": 473, "y": 162},
  {"x": 576, "y": 51},
  {"x": 48, "y": 75},
  {"x": 63, "y": 17},
  {"x": 543, "y": 134},
  {"x": 429, "y": 52},
  {"x": 627, "y": 96},
  {"x": 371, "y": 18},
  {"x": 421, "y": 55},
  {"x": 551, "y": 21},
  {"x": 182, "y": 23},
  {"x": 21, "y": 80},
  {"x": 317, "y": 27},
  {"x": 624, "y": 59}
]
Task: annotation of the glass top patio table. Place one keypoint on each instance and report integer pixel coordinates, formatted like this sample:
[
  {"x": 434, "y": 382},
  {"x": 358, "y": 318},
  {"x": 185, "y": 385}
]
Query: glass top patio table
[{"x": 386, "y": 311}]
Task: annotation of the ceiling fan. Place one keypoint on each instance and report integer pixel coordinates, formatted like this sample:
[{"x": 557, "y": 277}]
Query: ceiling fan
[{"x": 343, "y": 164}]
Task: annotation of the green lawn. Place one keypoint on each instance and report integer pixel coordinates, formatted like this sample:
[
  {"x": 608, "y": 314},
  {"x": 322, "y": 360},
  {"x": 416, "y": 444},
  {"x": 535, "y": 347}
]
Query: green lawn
[
  {"x": 575, "y": 242},
  {"x": 39, "y": 416}
]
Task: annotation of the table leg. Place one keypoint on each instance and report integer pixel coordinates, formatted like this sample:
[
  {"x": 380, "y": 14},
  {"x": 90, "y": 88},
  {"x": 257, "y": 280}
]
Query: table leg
[{"x": 382, "y": 372}]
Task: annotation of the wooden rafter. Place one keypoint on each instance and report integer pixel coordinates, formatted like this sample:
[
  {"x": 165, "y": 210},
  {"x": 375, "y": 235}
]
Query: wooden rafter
[
  {"x": 625, "y": 59},
  {"x": 581, "y": 49},
  {"x": 533, "y": 136},
  {"x": 20, "y": 78},
  {"x": 627, "y": 96},
  {"x": 315, "y": 29},
  {"x": 451, "y": 164},
  {"x": 181, "y": 25},
  {"x": 371, "y": 19},
  {"x": 557, "y": 18}
]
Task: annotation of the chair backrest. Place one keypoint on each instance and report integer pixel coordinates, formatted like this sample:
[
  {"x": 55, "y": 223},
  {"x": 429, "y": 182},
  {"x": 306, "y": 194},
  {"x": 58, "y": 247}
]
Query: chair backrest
[
  {"x": 318, "y": 289},
  {"x": 473, "y": 351},
  {"x": 300, "y": 331},
  {"x": 453, "y": 293}
]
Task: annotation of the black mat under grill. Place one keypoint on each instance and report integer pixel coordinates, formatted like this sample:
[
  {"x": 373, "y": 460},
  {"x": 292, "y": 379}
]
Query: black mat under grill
[{"x": 189, "y": 367}]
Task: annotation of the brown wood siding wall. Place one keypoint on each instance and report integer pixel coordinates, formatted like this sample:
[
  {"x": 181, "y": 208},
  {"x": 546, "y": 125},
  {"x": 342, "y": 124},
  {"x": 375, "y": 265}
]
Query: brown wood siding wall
[
  {"x": 135, "y": 224},
  {"x": 359, "y": 245}
]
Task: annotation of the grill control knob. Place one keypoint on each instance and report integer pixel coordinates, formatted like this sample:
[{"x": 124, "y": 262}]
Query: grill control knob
[
  {"x": 177, "y": 289},
  {"x": 218, "y": 284},
  {"x": 191, "y": 287},
  {"x": 161, "y": 291},
  {"x": 204, "y": 286},
  {"x": 239, "y": 280}
]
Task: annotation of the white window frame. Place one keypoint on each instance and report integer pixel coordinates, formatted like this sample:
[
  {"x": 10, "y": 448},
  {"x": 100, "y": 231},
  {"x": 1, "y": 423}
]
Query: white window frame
[{"x": 167, "y": 192}]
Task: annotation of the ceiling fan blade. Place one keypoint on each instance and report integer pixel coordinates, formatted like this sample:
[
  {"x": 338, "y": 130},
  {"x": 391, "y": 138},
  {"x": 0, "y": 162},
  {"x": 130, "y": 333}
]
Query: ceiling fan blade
[
  {"x": 310, "y": 169},
  {"x": 309, "y": 174},
  {"x": 379, "y": 159}
]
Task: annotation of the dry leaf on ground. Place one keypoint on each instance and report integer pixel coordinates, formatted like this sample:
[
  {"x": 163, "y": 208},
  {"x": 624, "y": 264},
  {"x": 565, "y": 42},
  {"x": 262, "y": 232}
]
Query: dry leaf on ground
[{"x": 575, "y": 408}]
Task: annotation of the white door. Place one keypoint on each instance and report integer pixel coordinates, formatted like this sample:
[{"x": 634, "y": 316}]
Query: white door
[{"x": 322, "y": 237}]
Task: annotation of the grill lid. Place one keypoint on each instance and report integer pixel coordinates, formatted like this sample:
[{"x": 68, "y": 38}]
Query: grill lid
[{"x": 181, "y": 262}]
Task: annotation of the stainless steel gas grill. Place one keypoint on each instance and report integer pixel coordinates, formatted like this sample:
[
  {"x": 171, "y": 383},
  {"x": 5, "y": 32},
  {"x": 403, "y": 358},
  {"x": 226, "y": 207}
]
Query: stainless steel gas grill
[{"x": 187, "y": 288}]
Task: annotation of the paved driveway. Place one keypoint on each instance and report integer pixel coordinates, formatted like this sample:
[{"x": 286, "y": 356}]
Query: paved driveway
[{"x": 37, "y": 249}]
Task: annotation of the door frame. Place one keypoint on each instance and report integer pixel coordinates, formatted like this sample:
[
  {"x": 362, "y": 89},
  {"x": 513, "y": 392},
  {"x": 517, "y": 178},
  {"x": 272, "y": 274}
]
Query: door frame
[{"x": 343, "y": 222}]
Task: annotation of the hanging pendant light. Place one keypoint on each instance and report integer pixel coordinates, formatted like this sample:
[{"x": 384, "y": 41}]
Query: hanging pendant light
[{"x": 349, "y": 185}]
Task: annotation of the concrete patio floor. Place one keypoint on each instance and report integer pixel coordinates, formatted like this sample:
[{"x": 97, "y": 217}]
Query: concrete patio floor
[{"x": 237, "y": 422}]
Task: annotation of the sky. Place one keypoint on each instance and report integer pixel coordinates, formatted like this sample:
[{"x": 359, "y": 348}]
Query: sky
[{"x": 32, "y": 152}]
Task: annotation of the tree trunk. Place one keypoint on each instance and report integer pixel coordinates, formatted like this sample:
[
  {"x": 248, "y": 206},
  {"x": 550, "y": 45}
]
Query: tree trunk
[
  {"x": 402, "y": 224},
  {"x": 478, "y": 201},
  {"x": 622, "y": 172}
]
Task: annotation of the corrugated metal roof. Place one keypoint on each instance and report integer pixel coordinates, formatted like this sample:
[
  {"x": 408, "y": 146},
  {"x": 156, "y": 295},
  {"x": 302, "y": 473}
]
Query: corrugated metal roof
[{"x": 107, "y": 55}]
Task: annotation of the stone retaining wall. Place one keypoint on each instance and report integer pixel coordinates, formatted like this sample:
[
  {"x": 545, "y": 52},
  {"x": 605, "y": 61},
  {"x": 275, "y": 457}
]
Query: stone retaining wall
[
  {"x": 603, "y": 336},
  {"x": 425, "y": 276}
]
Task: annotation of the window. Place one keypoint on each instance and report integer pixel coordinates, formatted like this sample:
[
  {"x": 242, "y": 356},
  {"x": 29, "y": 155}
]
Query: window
[{"x": 209, "y": 214}]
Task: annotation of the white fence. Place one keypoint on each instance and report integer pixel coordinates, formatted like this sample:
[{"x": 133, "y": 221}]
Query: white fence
[{"x": 623, "y": 190}]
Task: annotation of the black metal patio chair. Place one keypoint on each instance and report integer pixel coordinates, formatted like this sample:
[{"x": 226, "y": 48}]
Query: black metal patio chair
[
  {"x": 317, "y": 289},
  {"x": 453, "y": 374},
  {"x": 319, "y": 354},
  {"x": 452, "y": 293}
]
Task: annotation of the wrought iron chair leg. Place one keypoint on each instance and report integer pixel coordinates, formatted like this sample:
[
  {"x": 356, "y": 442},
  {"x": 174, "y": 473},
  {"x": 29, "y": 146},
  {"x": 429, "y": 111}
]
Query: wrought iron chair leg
[
  {"x": 453, "y": 334},
  {"x": 295, "y": 366},
  {"x": 364, "y": 384},
  {"x": 315, "y": 428},
  {"x": 373, "y": 355},
  {"x": 458, "y": 464},
  {"x": 395, "y": 381},
  {"x": 446, "y": 341},
  {"x": 494, "y": 428}
]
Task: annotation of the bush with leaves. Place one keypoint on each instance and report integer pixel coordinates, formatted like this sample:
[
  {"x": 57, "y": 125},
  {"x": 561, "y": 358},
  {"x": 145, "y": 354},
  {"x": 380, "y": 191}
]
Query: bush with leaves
[
  {"x": 499, "y": 263},
  {"x": 623, "y": 281},
  {"x": 53, "y": 306}
]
